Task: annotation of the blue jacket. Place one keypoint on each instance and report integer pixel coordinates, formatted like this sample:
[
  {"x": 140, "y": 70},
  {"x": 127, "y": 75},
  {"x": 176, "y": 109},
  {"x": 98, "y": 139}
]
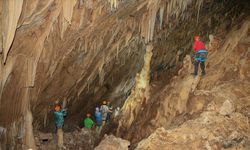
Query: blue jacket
[
  {"x": 98, "y": 117},
  {"x": 59, "y": 118}
]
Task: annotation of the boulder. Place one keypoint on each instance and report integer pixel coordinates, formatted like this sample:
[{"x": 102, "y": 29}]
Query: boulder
[{"x": 227, "y": 108}]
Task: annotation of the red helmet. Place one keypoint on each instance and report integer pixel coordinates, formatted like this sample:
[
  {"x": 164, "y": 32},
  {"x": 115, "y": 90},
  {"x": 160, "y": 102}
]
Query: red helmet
[{"x": 197, "y": 38}]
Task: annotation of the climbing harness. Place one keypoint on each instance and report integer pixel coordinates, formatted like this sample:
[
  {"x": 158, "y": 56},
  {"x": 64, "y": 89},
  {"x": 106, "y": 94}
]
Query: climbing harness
[{"x": 201, "y": 55}]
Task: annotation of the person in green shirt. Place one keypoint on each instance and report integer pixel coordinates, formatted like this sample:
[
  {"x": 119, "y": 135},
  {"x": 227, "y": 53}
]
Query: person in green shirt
[{"x": 88, "y": 122}]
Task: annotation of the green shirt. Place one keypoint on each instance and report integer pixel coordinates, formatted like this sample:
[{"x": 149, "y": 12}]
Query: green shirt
[{"x": 88, "y": 123}]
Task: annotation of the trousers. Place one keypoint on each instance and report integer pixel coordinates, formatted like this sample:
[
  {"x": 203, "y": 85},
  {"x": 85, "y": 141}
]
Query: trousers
[{"x": 196, "y": 67}]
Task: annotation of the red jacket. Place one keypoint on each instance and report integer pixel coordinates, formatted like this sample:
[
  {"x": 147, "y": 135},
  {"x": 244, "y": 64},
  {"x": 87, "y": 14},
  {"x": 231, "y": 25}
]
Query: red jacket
[{"x": 198, "y": 45}]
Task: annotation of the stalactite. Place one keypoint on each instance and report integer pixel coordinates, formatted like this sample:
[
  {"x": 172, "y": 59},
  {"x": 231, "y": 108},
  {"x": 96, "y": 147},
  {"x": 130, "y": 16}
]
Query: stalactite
[
  {"x": 117, "y": 54},
  {"x": 113, "y": 4},
  {"x": 67, "y": 7},
  {"x": 175, "y": 9},
  {"x": 128, "y": 37},
  {"x": 161, "y": 15},
  {"x": 31, "y": 73},
  {"x": 11, "y": 13},
  {"x": 86, "y": 45},
  {"x": 38, "y": 6},
  {"x": 148, "y": 21},
  {"x": 198, "y": 5},
  {"x": 5, "y": 71},
  {"x": 101, "y": 72}
]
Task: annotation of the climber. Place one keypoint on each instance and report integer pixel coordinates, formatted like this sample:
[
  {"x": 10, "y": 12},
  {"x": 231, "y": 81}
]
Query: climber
[
  {"x": 109, "y": 114},
  {"x": 59, "y": 120},
  {"x": 200, "y": 56},
  {"x": 88, "y": 122},
  {"x": 104, "y": 109},
  {"x": 98, "y": 118}
]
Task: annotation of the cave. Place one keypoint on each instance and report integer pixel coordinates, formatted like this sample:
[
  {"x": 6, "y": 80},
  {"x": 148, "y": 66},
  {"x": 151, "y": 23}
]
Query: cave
[{"x": 135, "y": 54}]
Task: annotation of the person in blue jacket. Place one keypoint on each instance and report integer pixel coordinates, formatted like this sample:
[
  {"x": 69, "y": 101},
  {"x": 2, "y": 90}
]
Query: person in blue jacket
[
  {"x": 98, "y": 118},
  {"x": 59, "y": 116},
  {"x": 59, "y": 121}
]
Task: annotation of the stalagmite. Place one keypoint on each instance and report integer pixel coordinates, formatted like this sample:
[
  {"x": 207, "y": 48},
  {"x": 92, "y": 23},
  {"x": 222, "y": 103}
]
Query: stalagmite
[
  {"x": 60, "y": 138},
  {"x": 11, "y": 13},
  {"x": 139, "y": 94},
  {"x": 29, "y": 137}
]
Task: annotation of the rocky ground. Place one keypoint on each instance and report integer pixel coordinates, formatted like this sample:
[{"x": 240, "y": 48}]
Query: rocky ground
[{"x": 82, "y": 139}]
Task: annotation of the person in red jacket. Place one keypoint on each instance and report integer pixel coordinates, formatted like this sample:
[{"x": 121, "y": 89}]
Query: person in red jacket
[{"x": 200, "y": 56}]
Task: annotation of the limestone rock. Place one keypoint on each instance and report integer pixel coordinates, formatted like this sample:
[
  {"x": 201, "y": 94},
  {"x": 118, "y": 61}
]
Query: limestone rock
[
  {"x": 45, "y": 136},
  {"x": 227, "y": 108},
  {"x": 113, "y": 143},
  {"x": 199, "y": 134}
]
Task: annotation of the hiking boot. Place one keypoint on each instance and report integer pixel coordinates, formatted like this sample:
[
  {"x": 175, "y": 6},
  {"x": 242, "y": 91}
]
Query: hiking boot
[
  {"x": 194, "y": 74},
  {"x": 203, "y": 74}
]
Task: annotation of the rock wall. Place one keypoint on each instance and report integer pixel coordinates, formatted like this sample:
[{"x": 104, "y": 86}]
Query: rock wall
[
  {"x": 75, "y": 52},
  {"x": 50, "y": 36},
  {"x": 218, "y": 108},
  {"x": 80, "y": 52},
  {"x": 213, "y": 113}
]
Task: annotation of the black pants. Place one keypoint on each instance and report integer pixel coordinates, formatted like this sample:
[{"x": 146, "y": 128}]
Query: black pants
[{"x": 196, "y": 67}]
